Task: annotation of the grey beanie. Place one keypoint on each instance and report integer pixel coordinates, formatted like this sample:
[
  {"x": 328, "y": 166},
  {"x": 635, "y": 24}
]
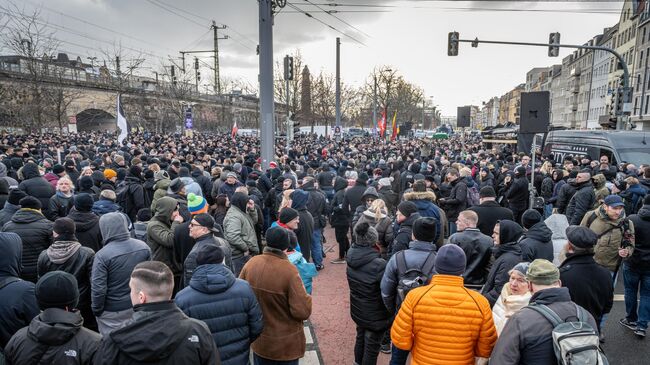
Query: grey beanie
[{"x": 366, "y": 234}]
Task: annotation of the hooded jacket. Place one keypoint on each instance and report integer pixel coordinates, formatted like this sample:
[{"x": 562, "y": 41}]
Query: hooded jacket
[
  {"x": 537, "y": 243},
  {"x": 53, "y": 337},
  {"x": 161, "y": 187},
  {"x": 364, "y": 272},
  {"x": 7, "y": 212},
  {"x": 582, "y": 202},
  {"x": 600, "y": 189},
  {"x": 114, "y": 263},
  {"x": 35, "y": 231},
  {"x": 239, "y": 227},
  {"x": 478, "y": 252},
  {"x": 17, "y": 297},
  {"x": 160, "y": 234},
  {"x": 228, "y": 306},
  {"x": 87, "y": 229},
  {"x": 640, "y": 259},
  {"x": 425, "y": 201},
  {"x": 340, "y": 217},
  {"x": 403, "y": 236},
  {"x": 517, "y": 194},
  {"x": 104, "y": 206},
  {"x": 384, "y": 227},
  {"x": 35, "y": 185},
  {"x": 370, "y": 192},
  {"x": 305, "y": 230},
  {"x": 611, "y": 237},
  {"x": 316, "y": 204},
  {"x": 165, "y": 336},
  {"x": 506, "y": 256}
]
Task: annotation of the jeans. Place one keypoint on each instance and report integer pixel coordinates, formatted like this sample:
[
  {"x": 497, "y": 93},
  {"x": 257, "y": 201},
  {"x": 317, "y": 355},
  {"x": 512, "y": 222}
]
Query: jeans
[
  {"x": 366, "y": 347},
  {"x": 548, "y": 210},
  {"x": 257, "y": 360},
  {"x": 238, "y": 264},
  {"x": 398, "y": 356},
  {"x": 329, "y": 193},
  {"x": 342, "y": 239},
  {"x": 316, "y": 248},
  {"x": 637, "y": 280}
]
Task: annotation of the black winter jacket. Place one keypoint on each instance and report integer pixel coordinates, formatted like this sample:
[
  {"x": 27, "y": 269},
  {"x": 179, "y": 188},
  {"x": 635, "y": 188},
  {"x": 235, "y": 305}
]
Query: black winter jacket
[
  {"x": 87, "y": 229},
  {"x": 165, "y": 336},
  {"x": 595, "y": 294},
  {"x": 582, "y": 202},
  {"x": 517, "y": 194},
  {"x": 564, "y": 195},
  {"x": 489, "y": 213},
  {"x": 228, "y": 306},
  {"x": 352, "y": 198},
  {"x": 640, "y": 259},
  {"x": 58, "y": 207},
  {"x": 7, "y": 212},
  {"x": 365, "y": 271},
  {"x": 536, "y": 243},
  {"x": 316, "y": 205},
  {"x": 403, "y": 236},
  {"x": 478, "y": 252},
  {"x": 457, "y": 200},
  {"x": 36, "y": 233},
  {"x": 339, "y": 217},
  {"x": 506, "y": 256},
  {"x": 53, "y": 337},
  {"x": 136, "y": 198},
  {"x": 17, "y": 298},
  {"x": 35, "y": 185},
  {"x": 389, "y": 197}
]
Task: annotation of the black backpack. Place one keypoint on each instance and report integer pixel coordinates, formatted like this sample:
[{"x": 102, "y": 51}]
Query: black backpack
[
  {"x": 411, "y": 278},
  {"x": 123, "y": 196}
]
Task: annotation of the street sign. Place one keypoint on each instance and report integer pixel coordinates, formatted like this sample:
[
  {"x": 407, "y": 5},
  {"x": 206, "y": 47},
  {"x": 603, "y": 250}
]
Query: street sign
[{"x": 188, "y": 118}]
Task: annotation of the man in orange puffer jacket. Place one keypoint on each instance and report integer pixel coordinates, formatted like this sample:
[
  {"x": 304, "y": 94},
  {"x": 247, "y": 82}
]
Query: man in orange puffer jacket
[{"x": 444, "y": 323}]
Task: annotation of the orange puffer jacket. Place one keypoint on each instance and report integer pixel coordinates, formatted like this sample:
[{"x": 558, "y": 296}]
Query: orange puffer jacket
[{"x": 444, "y": 323}]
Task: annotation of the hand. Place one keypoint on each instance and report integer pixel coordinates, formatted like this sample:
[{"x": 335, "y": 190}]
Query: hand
[
  {"x": 250, "y": 205},
  {"x": 623, "y": 252},
  {"x": 177, "y": 217}
]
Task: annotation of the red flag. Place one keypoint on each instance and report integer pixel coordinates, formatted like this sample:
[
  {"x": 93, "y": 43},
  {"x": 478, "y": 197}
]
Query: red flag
[
  {"x": 382, "y": 124},
  {"x": 234, "y": 130}
]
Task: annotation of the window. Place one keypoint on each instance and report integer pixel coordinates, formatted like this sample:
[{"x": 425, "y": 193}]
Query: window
[
  {"x": 643, "y": 35},
  {"x": 641, "y": 59},
  {"x": 647, "y": 100},
  {"x": 636, "y": 101}
]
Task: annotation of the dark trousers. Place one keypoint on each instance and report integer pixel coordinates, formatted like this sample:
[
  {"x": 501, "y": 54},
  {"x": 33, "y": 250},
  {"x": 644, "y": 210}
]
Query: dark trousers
[
  {"x": 238, "y": 264},
  {"x": 257, "y": 360},
  {"x": 342, "y": 239},
  {"x": 366, "y": 347},
  {"x": 398, "y": 356}
]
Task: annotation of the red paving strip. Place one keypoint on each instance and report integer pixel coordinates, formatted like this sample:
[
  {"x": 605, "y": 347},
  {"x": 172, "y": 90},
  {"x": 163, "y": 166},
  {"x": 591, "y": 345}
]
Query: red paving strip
[{"x": 335, "y": 330}]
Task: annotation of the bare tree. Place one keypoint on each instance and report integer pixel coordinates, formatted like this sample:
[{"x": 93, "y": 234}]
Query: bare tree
[{"x": 323, "y": 99}]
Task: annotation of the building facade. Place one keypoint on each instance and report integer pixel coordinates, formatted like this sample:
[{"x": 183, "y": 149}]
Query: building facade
[
  {"x": 600, "y": 94},
  {"x": 641, "y": 75}
]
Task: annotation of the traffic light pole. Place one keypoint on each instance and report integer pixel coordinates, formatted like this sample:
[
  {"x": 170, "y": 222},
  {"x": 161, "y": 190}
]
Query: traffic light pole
[
  {"x": 288, "y": 123},
  {"x": 626, "y": 73},
  {"x": 267, "y": 136}
]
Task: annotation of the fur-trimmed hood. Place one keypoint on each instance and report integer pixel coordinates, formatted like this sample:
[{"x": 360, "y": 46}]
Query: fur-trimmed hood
[{"x": 420, "y": 195}]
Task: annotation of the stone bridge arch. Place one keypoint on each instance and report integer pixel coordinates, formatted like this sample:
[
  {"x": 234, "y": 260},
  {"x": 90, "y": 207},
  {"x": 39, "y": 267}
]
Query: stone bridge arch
[{"x": 95, "y": 120}]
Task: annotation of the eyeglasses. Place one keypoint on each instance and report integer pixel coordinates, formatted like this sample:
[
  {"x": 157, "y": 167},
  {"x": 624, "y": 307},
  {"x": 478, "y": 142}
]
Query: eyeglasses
[{"x": 195, "y": 225}]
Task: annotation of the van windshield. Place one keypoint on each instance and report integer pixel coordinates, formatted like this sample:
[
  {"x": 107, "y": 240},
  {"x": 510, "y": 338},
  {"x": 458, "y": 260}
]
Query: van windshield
[{"x": 635, "y": 156}]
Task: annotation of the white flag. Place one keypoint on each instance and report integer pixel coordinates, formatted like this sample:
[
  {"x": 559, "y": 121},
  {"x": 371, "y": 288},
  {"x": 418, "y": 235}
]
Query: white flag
[{"x": 121, "y": 121}]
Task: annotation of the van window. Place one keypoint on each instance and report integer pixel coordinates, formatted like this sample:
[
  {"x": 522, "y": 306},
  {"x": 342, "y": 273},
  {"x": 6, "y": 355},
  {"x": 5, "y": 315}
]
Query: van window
[{"x": 610, "y": 155}]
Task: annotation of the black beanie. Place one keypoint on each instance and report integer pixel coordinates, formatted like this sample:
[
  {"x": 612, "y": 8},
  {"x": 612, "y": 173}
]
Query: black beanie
[
  {"x": 407, "y": 208},
  {"x": 366, "y": 234},
  {"x": 425, "y": 229},
  {"x": 57, "y": 169},
  {"x": 30, "y": 202},
  {"x": 210, "y": 254},
  {"x": 278, "y": 238},
  {"x": 57, "y": 289},
  {"x": 86, "y": 183},
  {"x": 287, "y": 215},
  {"x": 530, "y": 218},
  {"x": 83, "y": 202},
  {"x": 136, "y": 171},
  {"x": 15, "y": 195},
  {"x": 64, "y": 227}
]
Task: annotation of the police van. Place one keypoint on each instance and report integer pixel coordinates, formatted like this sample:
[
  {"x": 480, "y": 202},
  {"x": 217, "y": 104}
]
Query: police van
[{"x": 620, "y": 146}]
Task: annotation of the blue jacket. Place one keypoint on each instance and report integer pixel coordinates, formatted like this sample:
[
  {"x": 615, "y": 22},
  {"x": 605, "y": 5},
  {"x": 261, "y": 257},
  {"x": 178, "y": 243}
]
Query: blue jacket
[
  {"x": 228, "y": 306},
  {"x": 307, "y": 270}
]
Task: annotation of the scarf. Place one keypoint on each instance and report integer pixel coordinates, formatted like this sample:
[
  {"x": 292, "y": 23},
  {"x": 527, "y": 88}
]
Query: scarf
[{"x": 60, "y": 251}]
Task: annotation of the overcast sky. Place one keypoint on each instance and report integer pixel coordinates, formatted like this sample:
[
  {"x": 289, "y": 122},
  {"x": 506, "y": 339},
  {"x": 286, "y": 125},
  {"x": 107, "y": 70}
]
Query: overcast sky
[{"x": 410, "y": 36}]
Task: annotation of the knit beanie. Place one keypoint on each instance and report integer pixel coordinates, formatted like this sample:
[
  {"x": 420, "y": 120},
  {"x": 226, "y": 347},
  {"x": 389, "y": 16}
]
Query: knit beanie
[
  {"x": 176, "y": 185},
  {"x": 109, "y": 174},
  {"x": 425, "y": 229},
  {"x": 136, "y": 171},
  {"x": 30, "y": 202},
  {"x": 64, "y": 227},
  {"x": 278, "y": 238},
  {"x": 15, "y": 195},
  {"x": 86, "y": 183},
  {"x": 210, "y": 254},
  {"x": 57, "y": 289},
  {"x": 366, "y": 234},
  {"x": 450, "y": 260},
  {"x": 530, "y": 218},
  {"x": 542, "y": 272},
  {"x": 196, "y": 204},
  {"x": 407, "y": 208},
  {"x": 57, "y": 169},
  {"x": 287, "y": 215},
  {"x": 83, "y": 202}
]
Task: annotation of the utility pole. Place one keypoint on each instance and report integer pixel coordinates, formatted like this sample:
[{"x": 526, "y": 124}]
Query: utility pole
[
  {"x": 217, "y": 79},
  {"x": 197, "y": 74},
  {"x": 374, "y": 105},
  {"x": 266, "y": 81},
  {"x": 338, "y": 84}
]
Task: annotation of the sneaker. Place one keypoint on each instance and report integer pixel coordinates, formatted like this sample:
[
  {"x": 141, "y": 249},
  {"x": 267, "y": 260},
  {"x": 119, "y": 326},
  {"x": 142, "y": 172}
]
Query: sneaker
[
  {"x": 320, "y": 267},
  {"x": 338, "y": 261},
  {"x": 625, "y": 323},
  {"x": 639, "y": 332},
  {"x": 385, "y": 348}
]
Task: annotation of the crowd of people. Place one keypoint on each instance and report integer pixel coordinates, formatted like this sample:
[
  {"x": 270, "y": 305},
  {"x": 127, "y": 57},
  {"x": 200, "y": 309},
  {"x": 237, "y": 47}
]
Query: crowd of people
[{"x": 184, "y": 249}]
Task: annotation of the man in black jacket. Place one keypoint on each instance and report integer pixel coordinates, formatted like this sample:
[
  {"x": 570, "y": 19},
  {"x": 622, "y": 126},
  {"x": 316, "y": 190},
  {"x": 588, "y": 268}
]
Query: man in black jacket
[
  {"x": 135, "y": 192},
  {"x": 536, "y": 242},
  {"x": 517, "y": 194},
  {"x": 583, "y": 200},
  {"x": 589, "y": 284},
  {"x": 55, "y": 336},
  {"x": 317, "y": 207},
  {"x": 407, "y": 214},
  {"x": 35, "y": 185},
  {"x": 489, "y": 211},
  {"x": 164, "y": 333},
  {"x": 477, "y": 248}
]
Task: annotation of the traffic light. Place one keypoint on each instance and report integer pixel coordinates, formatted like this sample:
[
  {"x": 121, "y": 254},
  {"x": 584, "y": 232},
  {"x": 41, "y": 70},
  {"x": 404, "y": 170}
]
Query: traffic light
[
  {"x": 553, "y": 38},
  {"x": 288, "y": 68},
  {"x": 452, "y": 44},
  {"x": 198, "y": 75},
  {"x": 173, "y": 74},
  {"x": 196, "y": 63},
  {"x": 296, "y": 127},
  {"x": 619, "y": 102}
]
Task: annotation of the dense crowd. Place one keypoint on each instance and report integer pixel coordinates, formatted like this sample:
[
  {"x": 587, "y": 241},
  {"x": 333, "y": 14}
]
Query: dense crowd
[{"x": 183, "y": 249}]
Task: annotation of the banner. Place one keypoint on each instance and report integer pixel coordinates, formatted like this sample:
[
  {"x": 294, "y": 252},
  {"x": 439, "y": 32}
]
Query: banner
[{"x": 121, "y": 121}]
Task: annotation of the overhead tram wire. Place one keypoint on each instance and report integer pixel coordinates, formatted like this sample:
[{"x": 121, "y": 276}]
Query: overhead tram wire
[
  {"x": 325, "y": 24},
  {"x": 339, "y": 19}
]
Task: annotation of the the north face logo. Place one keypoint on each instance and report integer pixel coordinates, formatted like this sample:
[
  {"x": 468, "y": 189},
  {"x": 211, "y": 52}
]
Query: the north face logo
[
  {"x": 71, "y": 353},
  {"x": 194, "y": 338}
]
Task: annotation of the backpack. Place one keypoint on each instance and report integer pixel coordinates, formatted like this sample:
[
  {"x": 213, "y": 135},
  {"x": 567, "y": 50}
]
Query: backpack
[
  {"x": 122, "y": 197},
  {"x": 473, "y": 197},
  {"x": 411, "y": 278},
  {"x": 574, "y": 343}
]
